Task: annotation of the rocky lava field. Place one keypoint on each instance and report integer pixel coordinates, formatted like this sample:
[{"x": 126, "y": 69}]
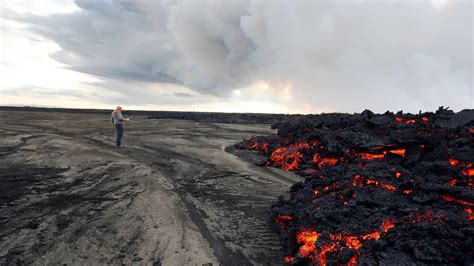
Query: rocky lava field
[{"x": 377, "y": 189}]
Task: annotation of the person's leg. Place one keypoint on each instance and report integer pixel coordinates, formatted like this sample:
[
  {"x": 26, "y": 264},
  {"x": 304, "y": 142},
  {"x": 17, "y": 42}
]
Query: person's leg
[
  {"x": 119, "y": 128},
  {"x": 121, "y": 134}
]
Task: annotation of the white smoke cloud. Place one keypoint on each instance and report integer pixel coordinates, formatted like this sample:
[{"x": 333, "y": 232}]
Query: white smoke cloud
[{"x": 336, "y": 55}]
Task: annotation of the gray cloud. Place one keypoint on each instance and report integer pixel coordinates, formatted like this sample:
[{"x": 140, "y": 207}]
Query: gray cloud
[
  {"x": 339, "y": 55},
  {"x": 183, "y": 95}
]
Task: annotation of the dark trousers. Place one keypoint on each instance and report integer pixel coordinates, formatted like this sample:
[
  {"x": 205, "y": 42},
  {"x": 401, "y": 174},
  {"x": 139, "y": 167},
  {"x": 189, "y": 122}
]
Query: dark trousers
[{"x": 119, "y": 128}]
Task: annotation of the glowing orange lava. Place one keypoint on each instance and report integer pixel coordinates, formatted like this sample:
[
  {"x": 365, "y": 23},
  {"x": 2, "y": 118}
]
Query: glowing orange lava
[
  {"x": 400, "y": 152},
  {"x": 374, "y": 235},
  {"x": 308, "y": 239},
  {"x": 256, "y": 146},
  {"x": 468, "y": 172},
  {"x": 370, "y": 156},
  {"x": 323, "y": 251},
  {"x": 387, "y": 225},
  {"x": 352, "y": 261},
  {"x": 380, "y": 184},
  {"x": 380, "y": 154},
  {"x": 451, "y": 199},
  {"x": 353, "y": 242},
  {"x": 453, "y": 162},
  {"x": 283, "y": 220},
  {"x": 288, "y": 157},
  {"x": 324, "y": 161},
  {"x": 359, "y": 181}
]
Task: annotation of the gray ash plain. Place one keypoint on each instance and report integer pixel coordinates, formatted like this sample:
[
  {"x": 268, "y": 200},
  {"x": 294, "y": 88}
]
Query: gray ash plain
[{"x": 173, "y": 195}]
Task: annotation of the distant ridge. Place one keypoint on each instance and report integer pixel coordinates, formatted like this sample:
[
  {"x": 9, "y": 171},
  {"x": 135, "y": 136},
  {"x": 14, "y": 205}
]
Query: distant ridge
[{"x": 213, "y": 117}]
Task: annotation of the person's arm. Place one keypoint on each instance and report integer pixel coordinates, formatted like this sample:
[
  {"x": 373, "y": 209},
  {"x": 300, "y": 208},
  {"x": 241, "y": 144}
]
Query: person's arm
[{"x": 120, "y": 117}]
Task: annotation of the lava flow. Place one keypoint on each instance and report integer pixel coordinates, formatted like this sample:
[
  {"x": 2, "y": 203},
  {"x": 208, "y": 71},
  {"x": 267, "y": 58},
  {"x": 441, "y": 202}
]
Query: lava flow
[{"x": 377, "y": 189}]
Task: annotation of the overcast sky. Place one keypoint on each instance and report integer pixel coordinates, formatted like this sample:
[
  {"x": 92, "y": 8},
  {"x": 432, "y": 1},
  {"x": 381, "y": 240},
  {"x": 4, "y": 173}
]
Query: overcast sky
[{"x": 238, "y": 56}]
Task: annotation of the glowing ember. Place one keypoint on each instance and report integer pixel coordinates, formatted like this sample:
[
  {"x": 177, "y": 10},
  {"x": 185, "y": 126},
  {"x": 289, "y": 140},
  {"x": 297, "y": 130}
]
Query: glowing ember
[
  {"x": 453, "y": 182},
  {"x": 324, "y": 161},
  {"x": 380, "y": 184},
  {"x": 375, "y": 235},
  {"x": 400, "y": 152},
  {"x": 410, "y": 121},
  {"x": 469, "y": 212},
  {"x": 426, "y": 119},
  {"x": 387, "y": 225},
  {"x": 370, "y": 156},
  {"x": 353, "y": 242},
  {"x": 380, "y": 155},
  {"x": 257, "y": 144},
  {"x": 283, "y": 220},
  {"x": 453, "y": 162},
  {"x": 358, "y": 181},
  {"x": 352, "y": 261},
  {"x": 468, "y": 172},
  {"x": 426, "y": 216},
  {"x": 398, "y": 119},
  {"x": 259, "y": 147},
  {"x": 324, "y": 250}
]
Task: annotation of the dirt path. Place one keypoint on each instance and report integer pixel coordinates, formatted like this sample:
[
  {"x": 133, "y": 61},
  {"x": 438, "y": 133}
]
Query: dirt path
[{"x": 171, "y": 196}]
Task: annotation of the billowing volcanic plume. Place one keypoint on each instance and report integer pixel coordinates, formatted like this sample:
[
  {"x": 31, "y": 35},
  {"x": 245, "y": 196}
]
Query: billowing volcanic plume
[{"x": 378, "y": 188}]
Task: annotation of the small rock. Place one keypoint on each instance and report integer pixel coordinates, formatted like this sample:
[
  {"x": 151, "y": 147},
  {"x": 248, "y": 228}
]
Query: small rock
[{"x": 16, "y": 251}]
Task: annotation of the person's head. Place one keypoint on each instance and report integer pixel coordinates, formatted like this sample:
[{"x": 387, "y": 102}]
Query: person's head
[{"x": 117, "y": 110}]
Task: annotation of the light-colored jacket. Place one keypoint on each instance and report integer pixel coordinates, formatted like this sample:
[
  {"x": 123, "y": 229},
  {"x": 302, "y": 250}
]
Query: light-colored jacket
[{"x": 116, "y": 118}]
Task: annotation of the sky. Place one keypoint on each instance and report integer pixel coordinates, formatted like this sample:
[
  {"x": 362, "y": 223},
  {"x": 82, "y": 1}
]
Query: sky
[{"x": 266, "y": 56}]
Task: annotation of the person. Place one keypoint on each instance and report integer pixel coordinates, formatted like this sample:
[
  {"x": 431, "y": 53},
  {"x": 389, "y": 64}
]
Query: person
[{"x": 117, "y": 119}]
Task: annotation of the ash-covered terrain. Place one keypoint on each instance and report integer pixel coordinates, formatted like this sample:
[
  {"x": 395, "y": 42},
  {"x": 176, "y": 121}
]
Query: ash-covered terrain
[
  {"x": 171, "y": 196},
  {"x": 338, "y": 189}
]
